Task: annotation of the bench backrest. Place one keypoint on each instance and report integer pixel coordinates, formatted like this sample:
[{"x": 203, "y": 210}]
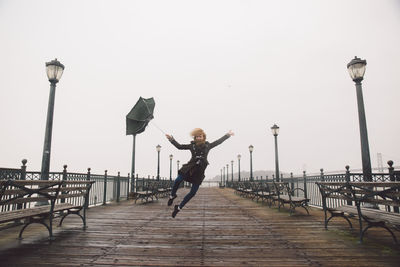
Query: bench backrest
[
  {"x": 25, "y": 193},
  {"x": 380, "y": 193}
]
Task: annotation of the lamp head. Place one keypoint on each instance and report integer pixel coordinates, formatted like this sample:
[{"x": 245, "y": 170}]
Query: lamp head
[
  {"x": 54, "y": 70},
  {"x": 275, "y": 130},
  {"x": 356, "y": 69}
]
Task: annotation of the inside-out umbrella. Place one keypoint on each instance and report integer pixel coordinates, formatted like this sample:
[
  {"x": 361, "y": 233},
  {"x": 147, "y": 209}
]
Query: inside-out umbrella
[
  {"x": 136, "y": 121},
  {"x": 139, "y": 116}
]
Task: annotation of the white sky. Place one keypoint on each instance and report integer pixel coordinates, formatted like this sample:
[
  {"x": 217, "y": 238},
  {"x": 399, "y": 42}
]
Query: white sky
[{"x": 218, "y": 65}]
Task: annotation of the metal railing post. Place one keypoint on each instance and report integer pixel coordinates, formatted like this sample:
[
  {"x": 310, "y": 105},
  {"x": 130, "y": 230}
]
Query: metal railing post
[
  {"x": 392, "y": 179},
  {"x": 136, "y": 187},
  {"x": 118, "y": 186},
  {"x": 64, "y": 178},
  {"x": 292, "y": 183},
  {"x": 305, "y": 184},
  {"x": 23, "y": 169},
  {"x": 127, "y": 187},
  {"x": 22, "y": 177},
  {"x": 347, "y": 177},
  {"x": 105, "y": 188},
  {"x": 88, "y": 179}
]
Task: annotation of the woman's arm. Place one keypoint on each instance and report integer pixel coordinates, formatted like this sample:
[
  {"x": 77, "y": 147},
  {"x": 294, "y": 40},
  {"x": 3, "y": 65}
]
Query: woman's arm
[
  {"x": 175, "y": 143},
  {"x": 222, "y": 139}
]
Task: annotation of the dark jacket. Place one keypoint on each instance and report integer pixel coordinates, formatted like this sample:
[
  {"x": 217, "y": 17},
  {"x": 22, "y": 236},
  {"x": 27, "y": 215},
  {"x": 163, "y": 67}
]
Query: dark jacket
[{"x": 193, "y": 171}]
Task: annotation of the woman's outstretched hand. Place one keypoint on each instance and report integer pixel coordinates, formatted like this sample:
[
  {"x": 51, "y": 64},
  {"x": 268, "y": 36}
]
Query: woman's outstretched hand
[
  {"x": 231, "y": 133},
  {"x": 169, "y": 137}
]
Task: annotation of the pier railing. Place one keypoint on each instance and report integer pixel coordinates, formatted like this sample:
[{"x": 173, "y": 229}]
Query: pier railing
[
  {"x": 107, "y": 188},
  {"x": 310, "y": 189}
]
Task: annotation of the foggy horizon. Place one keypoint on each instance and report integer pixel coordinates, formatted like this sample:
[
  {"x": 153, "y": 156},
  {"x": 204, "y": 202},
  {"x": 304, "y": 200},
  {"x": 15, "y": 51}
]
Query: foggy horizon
[{"x": 218, "y": 65}]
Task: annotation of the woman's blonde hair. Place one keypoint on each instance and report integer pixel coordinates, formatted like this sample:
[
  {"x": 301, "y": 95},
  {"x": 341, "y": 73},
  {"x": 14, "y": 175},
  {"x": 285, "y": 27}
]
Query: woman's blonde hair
[{"x": 198, "y": 131}]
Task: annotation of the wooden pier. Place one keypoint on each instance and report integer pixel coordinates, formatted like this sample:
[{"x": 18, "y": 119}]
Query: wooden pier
[{"x": 217, "y": 228}]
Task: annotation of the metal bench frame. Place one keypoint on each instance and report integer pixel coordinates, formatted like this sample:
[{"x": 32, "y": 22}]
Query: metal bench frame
[
  {"x": 50, "y": 198},
  {"x": 361, "y": 194}
]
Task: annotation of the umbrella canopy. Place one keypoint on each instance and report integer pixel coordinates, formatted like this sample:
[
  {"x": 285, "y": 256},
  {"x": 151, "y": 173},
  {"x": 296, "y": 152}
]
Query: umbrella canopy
[{"x": 139, "y": 116}]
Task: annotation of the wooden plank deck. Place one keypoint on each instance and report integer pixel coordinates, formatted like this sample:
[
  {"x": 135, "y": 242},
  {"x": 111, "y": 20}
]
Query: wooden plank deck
[{"x": 217, "y": 228}]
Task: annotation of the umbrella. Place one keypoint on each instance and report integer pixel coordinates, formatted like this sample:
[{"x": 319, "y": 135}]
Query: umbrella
[
  {"x": 136, "y": 121},
  {"x": 139, "y": 116}
]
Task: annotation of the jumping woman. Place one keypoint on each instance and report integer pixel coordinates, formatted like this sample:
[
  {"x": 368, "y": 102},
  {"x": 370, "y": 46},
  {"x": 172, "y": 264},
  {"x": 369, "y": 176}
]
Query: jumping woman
[{"x": 193, "y": 171}]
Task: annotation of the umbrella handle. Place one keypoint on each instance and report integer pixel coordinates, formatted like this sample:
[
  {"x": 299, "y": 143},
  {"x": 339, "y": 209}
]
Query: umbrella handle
[{"x": 158, "y": 127}]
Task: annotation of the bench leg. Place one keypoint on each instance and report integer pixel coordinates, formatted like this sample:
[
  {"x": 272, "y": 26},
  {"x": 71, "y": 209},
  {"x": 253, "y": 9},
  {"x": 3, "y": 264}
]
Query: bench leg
[
  {"x": 49, "y": 228},
  {"x": 341, "y": 214},
  {"x": 76, "y": 213},
  {"x": 380, "y": 224},
  {"x": 305, "y": 207}
]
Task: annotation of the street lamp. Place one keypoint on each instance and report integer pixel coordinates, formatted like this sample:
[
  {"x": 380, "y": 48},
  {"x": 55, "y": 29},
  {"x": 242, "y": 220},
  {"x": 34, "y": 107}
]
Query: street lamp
[
  {"x": 158, "y": 148},
  {"x": 170, "y": 166},
  {"x": 224, "y": 175},
  {"x": 227, "y": 173},
  {"x": 54, "y": 70},
  {"x": 232, "y": 170},
  {"x": 239, "y": 157},
  {"x": 275, "y": 132},
  {"x": 356, "y": 69},
  {"x": 251, "y": 148}
]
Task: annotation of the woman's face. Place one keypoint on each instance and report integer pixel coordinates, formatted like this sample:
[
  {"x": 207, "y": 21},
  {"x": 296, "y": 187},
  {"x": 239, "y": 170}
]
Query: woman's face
[{"x": 199, "y": 137}]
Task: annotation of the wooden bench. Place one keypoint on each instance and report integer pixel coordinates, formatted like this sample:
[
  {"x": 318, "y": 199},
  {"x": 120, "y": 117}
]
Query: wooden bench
[
  {"x": 285, "y": 195},
  {"x": 153, "y": 190},
  {"x": 246, "y": 189},
  {"x": 239, "y": 187},
  {"x": 164, "y": 188},
  {"x": 40, "y": 201},
  {"x": 266, "y": 191},
  {"x": 369, "y": 202}
]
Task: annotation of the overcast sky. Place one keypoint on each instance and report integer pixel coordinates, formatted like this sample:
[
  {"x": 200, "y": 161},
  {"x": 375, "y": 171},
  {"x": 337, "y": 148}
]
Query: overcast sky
[{"x": 217, "y": 65}]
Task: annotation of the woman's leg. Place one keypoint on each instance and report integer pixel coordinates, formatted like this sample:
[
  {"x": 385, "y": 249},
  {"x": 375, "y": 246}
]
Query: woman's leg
[
  {"x": 186, "y": 199},
  {"x": 189, "y": 196},
  {"x": 175, "y": 187}
]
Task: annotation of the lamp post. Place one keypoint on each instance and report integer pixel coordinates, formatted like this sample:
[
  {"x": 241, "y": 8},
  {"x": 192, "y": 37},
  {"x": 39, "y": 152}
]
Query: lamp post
[
  {"x": 356, "y": 69},
  {"x": 158, "y": 148},
  {"x": 239, "y": 157},
  {"x": 275, "y": 132},
  {"x": 224, "y": 176},
  {"x": 251, "y": 148},
  {"x": 170, "y": 166},
  {"x": 54, "y": 71},
  {"x": 232, "y": 170},
  {"x": 227, "y": 173}
]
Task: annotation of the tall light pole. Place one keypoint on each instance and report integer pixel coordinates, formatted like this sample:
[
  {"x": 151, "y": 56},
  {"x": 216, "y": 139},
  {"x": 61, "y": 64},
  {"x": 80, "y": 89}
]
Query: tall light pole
[
  {"x": 221, "y": 177},
  {"x": 224, "y": 175},
  {"x": 275, "y": 132},
  {"x": 251, "y": 148},
  {"x": 170, "y": 166},
  {"x": 356, "y": 69},
  {"x": 54, "y": 71},
  {"x": 232, "y": 170},
  {"x": 158, "y": 148},
  {"x": 239, "y": 157},
  {"x": 227, "y": 173}
]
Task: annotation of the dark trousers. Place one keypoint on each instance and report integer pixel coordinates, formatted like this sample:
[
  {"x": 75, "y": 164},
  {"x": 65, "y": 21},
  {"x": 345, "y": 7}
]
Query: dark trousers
[{"x": 189, "y": 196}]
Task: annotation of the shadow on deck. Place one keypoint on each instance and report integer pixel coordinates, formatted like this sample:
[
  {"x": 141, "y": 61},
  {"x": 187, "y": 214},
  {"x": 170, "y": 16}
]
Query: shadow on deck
[{"x": 217, "y": 228}]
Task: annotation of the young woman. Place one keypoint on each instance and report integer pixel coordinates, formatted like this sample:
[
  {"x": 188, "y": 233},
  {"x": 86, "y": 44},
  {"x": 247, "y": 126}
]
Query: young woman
[{"x": 193, "y": 171}]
